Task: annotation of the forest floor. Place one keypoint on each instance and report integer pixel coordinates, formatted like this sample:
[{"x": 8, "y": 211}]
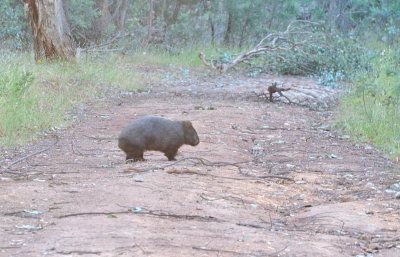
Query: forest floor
[{"x": 267, "y": 179}]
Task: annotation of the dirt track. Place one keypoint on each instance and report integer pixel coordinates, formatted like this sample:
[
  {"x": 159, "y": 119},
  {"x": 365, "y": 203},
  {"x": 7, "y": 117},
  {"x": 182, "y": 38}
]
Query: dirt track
[{"x": 278, "y": 182}]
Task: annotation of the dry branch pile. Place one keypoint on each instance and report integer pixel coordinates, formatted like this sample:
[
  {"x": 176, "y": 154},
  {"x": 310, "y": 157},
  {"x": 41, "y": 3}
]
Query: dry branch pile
[{"x": 297, "y": 35}]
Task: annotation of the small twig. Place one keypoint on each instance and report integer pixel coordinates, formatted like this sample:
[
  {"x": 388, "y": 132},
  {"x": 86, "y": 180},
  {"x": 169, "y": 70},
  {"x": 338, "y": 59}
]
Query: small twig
[
  {"x": 267, "y": 176},
  {"x": 100, "y": 138},
  {"x": 32, "y": 154},
  {"x": 231, "y": 252},
  {"x": 79, "y": 252},
  {"x": 250, "y": 225},
  {"x": 190, "y": 172},
  {"x": 152, "y": 213},
  {"x": 207, "y": 199}
]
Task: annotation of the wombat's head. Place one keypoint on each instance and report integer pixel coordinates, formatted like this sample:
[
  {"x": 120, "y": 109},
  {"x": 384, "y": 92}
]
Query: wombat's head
[{"x": 190, "y": 134}]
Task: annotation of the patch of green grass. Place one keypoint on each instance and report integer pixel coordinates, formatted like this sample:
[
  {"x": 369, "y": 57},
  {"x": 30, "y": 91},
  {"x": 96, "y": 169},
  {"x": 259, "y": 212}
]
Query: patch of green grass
[
  {"x": 371, "y": 109},
  {"x": 184, "y": 58},
  {"x": 36, "y": 97}
]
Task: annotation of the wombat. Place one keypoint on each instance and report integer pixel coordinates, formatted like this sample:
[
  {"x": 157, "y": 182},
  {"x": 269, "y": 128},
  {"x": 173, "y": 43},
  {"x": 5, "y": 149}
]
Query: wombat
[{"x": 157, "y": 134}]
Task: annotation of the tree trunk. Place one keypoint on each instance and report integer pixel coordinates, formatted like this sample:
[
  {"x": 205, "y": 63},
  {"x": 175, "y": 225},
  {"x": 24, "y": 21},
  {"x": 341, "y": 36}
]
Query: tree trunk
[
  {"x": 272, "y": 13},
  {"x": 165, "y": 21},
  {"x": 207, "y": 8},
  {"x": 51, "y": 33},
  {"x": 242, "y": 34},
  {"x": 177, "y": 9},
  {"x": 102, "y": 21},
  {"x": 150, "y": 18},
  {"x": 228, "y": 29},
  {"x": 119, "y": 14}
]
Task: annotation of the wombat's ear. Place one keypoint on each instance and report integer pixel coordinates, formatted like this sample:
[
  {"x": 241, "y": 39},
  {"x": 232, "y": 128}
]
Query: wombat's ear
[{"x": 187, "y": 124}]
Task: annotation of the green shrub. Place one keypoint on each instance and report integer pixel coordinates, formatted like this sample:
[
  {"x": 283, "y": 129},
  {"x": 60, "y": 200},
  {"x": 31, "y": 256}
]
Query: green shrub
[
  {"x": 333, "y": 59},
  {"x": 13, "y": 26},
  {"x": 371, "y": 109}
]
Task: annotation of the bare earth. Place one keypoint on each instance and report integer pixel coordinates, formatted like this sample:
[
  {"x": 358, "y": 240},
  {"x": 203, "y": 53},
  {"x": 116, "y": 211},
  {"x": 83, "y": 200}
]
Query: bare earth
[{"x": 267, "y": 179}]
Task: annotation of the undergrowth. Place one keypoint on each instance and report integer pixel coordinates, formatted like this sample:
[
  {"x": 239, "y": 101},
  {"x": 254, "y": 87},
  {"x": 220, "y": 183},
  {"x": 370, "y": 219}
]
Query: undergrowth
[
  {"x": 371, "y": 109},
  {"x": 37, "y": 97}
]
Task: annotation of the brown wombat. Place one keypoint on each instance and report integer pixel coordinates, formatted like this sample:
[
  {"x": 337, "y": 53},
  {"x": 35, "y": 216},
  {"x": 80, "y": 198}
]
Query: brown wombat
[{"x": 157, "y": 134}]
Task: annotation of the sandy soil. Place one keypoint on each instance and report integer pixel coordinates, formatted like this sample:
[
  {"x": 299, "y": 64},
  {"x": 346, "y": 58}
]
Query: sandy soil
[{"x": 267, "y": 179}]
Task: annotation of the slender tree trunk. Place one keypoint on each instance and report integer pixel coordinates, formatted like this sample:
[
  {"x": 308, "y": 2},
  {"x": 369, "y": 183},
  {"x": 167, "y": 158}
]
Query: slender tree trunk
[
  {"x": 102, "y": 21},
  {"x": 271, "y": 19},
  {"x": 228, "y": 29},
  {"x": 207, "y": 8},
  {"x": 244, "y": 28},
  {"x": 165, "y": 20},
  {"x": 119, "y": 14},
  {"x": 177, "y": 9},
  {"x": 150, "y": 18},
  {"x": 51, "y": 33}
]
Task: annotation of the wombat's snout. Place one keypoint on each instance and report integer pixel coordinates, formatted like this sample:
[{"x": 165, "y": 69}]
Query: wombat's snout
[{"x": 196, "y": 141}]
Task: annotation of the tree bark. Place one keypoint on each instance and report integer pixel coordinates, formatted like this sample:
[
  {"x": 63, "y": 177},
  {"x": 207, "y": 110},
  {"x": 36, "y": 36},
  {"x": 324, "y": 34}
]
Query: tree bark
[
  {"x": 51, "y": 33},
  {"x": 243, "y": 32},
  {"x": 207, "y": 8},
  {"x": 177, "y": 9},
  {"x": 102, "y": 21},
  {"x": 228, "y": 32},
  {"x": 150, "y": 18},
  {"x": 119, "y": 14}
]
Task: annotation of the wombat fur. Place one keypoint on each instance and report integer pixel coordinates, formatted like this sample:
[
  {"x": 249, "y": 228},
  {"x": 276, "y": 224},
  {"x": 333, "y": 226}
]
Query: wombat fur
[{"x": 157, "y": 134}]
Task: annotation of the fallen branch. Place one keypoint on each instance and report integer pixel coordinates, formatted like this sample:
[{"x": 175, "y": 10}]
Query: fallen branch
[
  {"x": 273, "y": 42},
  {"x": 151, "y": 213},
  {"x": 228, "y": 251},
  {"x": 101, "y": 138},
  {"x": 267, "y": 176},
  {"x": 238, "y": 253},
  {"x": 79, "y": 252},
  {"x": 31, "y": 155}
]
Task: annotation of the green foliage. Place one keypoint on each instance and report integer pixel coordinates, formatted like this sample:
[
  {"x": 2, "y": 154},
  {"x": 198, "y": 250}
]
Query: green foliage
[
  {"x": 13, "y": 26},
  {"x": 81, "y": 14},
  {"x": 190, "y": 25},
  {"x": 371, "y": 110},
  {"x": 34, "y": 98},
  {"x": 15, "y": 101},
  {"x": 332, "y": 59}
]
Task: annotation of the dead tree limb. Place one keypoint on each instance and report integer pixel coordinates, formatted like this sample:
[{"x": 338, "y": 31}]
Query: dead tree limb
[
  {"x": 32, "y": 154},
  {"x": 287, "y": 40},
  {"x": 163, "y": 214}
]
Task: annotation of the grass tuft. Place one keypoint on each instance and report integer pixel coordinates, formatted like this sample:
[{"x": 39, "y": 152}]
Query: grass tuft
[
  {"x": 371, "y": 109},
  {"x": 36, "y": 97}
]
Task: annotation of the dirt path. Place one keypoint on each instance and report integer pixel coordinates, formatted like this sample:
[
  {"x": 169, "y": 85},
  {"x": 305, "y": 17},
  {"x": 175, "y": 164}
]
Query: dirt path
[{"x": 280, "y": 182}]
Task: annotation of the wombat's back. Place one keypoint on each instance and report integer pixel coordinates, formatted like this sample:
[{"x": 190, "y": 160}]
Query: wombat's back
[{"x": 153, "y": 133}]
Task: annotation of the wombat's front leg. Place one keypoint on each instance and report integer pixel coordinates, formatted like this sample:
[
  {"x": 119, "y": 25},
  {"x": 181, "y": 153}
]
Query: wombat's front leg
[
  {"x": 170, "y": 153},
  {"x": 135, "y": 156}
]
